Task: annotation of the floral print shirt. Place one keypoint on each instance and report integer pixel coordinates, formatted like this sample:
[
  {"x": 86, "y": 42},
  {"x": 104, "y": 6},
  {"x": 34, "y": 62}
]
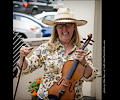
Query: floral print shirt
[{"x": 53, "y": 63}]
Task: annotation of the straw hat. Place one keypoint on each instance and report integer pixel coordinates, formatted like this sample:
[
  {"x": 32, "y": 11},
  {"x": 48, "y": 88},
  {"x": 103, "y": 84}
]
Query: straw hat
[{"x": 64, "y": 15}]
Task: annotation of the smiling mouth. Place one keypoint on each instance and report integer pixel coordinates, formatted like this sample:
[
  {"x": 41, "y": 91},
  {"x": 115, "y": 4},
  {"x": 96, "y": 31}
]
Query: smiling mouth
[{"x": 65, "y": 33}]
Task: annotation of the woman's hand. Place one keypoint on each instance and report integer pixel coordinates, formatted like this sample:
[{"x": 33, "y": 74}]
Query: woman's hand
[
  {"x": 80, "y": 55},
  {"x": 24, "y": 51}
]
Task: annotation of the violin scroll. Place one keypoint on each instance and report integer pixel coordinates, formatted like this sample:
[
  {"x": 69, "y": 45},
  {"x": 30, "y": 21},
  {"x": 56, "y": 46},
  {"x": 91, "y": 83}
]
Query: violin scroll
[{"x": 89, "y": 38}]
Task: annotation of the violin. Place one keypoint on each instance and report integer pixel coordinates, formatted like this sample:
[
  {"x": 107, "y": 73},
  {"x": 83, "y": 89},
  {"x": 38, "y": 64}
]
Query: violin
[{"x": 72, "y": 72}]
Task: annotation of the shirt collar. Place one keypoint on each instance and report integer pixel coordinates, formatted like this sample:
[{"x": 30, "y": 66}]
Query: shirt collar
[{"x": 58, "y": 44}]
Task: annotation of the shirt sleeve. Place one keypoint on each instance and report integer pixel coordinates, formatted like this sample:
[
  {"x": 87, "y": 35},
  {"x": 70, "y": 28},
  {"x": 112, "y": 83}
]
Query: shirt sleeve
[{"x": 36, "y": 60}]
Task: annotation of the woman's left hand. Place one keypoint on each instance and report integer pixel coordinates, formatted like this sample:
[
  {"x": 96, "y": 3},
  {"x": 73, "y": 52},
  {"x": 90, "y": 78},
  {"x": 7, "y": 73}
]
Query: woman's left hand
[{"x": 80, "y": 55}]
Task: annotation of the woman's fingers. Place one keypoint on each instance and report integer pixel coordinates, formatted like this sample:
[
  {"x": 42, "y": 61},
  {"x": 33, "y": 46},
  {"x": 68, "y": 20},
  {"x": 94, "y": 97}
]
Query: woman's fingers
[
  {"x": 81, "y": 51},
  {"x": 27, "y": 50},
  {"x": 24, "y": 51},
  {"x": 30, "y": 48},
  {"x": 80, "y": 55}
]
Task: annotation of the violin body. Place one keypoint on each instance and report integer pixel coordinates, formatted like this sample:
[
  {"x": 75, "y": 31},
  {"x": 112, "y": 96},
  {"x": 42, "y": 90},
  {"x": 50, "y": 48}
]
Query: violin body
[{"x": 66, "y": 84}]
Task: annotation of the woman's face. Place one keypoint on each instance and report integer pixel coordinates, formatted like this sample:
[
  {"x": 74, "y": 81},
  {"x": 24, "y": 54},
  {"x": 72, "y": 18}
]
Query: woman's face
[{"x": 65, "y": 31}]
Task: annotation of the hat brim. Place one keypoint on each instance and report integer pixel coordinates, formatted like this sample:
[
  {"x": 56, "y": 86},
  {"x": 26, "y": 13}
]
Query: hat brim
[{"x": 52, "y": 23}]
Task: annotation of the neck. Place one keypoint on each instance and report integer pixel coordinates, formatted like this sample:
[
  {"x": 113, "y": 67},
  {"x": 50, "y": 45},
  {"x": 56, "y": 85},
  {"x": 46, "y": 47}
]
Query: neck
[{"x": 68, "y": 46}]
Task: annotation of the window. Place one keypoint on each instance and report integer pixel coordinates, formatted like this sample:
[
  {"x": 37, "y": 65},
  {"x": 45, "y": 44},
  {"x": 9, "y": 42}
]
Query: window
[
  {"x": 21, "y": 0},
  {"x": 31, "y": 0},
  {"x": 24, "y": 19},
  {"x": 49, "y": 17},
  {"x": 42, "y": 1}
]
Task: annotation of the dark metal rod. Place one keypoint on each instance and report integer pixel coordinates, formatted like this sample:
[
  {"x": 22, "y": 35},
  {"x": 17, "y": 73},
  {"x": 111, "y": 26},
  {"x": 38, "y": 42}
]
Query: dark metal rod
[{"x": 18, "y": 79}]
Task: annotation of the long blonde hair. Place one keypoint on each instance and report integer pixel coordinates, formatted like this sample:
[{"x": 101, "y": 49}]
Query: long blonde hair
[{"x": 75, "y": 38}]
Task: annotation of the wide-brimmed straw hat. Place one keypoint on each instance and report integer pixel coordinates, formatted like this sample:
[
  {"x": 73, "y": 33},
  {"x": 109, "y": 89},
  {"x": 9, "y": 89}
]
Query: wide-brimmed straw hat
[{"x": 64, "y": 15}]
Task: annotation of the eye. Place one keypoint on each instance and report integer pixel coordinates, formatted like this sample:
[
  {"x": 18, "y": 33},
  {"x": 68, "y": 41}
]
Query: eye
[
  {"x": 59, "y": 26},
  {"x": 68, "y": 25}
]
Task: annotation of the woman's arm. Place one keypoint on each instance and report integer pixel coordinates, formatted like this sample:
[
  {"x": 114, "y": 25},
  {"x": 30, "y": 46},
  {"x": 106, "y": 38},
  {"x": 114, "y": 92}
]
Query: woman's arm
[{"x": 88, "y": 70}]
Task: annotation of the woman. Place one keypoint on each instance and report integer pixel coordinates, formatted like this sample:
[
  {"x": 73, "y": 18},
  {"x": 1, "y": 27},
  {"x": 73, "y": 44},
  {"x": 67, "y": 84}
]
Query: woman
[{"x": 64, "y": 45}]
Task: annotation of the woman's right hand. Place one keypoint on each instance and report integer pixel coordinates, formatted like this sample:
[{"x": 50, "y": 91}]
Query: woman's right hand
[{"x": 24, "y": 51}]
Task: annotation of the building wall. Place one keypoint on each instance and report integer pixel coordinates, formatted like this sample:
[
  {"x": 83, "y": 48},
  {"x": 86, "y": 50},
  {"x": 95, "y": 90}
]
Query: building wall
[{"x": 97, "y": 50}]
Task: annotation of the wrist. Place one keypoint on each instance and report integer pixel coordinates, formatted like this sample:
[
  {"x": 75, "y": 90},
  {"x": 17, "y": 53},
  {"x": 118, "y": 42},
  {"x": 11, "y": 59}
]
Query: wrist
[{"x": 20, "y": 61}]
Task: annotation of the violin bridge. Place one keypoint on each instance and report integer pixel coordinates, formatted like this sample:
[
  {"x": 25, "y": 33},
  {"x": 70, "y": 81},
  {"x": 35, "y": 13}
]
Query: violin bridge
[{"x": 64, "y": 84}]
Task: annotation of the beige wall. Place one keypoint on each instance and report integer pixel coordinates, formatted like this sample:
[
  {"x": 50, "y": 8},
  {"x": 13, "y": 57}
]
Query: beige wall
[{"x": 97, "y": 50}]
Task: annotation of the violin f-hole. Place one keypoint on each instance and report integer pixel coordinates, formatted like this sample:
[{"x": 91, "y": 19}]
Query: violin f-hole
[{"x": 70, "y": 90}]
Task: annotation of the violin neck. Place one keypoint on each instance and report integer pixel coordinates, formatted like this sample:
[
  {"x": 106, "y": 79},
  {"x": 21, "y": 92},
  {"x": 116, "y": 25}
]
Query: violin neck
[
  {"x": 72, "y": 69},
  {"x": 85, "y": 44}
]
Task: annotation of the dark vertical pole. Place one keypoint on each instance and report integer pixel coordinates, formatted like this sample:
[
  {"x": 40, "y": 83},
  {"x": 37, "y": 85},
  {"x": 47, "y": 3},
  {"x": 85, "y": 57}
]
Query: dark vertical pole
[{"x": 18, "y": 79}]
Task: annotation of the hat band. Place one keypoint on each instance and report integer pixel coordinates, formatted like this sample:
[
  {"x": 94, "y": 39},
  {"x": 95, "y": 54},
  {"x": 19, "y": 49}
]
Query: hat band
[{"x": 64, "y": 19}]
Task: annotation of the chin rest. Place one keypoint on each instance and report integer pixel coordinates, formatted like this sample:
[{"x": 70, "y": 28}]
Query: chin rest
[{"x": 52, "y": 97}]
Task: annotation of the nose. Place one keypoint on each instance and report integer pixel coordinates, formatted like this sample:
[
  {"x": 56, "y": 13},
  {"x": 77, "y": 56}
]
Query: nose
[{"x": 64, "y": 28}]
